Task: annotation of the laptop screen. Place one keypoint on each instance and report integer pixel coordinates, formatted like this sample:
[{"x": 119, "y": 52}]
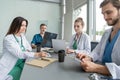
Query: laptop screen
[
  {"x": 47, "y": 39},
  {"x": 58, "y": 45}
]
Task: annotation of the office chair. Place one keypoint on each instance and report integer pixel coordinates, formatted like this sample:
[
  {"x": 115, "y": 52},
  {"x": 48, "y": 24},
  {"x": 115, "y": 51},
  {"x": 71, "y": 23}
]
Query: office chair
[{"x": 93, "y": 45}]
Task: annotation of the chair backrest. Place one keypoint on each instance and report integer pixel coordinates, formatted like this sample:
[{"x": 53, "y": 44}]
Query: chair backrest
[{"x": 93, "y": 45}]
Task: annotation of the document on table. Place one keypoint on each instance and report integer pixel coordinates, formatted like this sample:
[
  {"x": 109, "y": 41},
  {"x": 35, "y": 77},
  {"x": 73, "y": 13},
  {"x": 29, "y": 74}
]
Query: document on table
[{"x": 41, "y": 62}]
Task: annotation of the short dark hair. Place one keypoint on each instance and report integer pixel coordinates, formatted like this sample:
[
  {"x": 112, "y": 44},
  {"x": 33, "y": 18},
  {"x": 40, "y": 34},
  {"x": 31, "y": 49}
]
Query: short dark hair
[
  {"x": 115, "y": 3},
  {"x": 16, "y": 24},
  {"x": 43, "y": 25},
  {"x": 79, "y": 19}
]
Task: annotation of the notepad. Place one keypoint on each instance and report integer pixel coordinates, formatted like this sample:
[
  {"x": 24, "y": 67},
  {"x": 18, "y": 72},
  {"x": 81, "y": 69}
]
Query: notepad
[{"x": 41, "y": 62}]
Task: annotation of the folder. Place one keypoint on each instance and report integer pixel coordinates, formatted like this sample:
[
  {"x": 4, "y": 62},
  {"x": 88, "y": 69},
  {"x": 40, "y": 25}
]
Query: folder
[{"x": 41, "y": 62}]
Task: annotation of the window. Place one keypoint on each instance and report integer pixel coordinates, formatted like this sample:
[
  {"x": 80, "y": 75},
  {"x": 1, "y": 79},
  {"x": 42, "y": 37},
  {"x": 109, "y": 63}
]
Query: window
[
  {"x": 101, "y": 25},
  {"x": 98, "y": 26}
]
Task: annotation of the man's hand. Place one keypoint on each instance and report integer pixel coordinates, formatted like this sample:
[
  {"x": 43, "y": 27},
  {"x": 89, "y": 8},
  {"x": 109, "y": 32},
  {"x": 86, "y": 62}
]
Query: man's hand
[
  {"x": 89, "y": 66},
  {"x": 33, "y": 46},
  {"x": 83, "y": 56}
]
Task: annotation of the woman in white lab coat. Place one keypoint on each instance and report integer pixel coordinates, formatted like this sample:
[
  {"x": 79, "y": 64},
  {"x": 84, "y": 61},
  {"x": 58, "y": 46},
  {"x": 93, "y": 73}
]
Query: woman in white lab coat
[
  {"x": 80, "y": 41},
  {"x": 107, "y": 52},
  {"x": 15, "y": 50}
]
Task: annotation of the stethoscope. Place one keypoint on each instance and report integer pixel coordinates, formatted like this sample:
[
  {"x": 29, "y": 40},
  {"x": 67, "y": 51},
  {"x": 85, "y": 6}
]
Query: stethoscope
[
  {"x": 75, "y": 38},
  {"x": 21, "y": 45}
]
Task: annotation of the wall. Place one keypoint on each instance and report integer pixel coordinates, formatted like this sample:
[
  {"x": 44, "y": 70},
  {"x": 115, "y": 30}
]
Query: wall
[{"x": 34, "y": 11}]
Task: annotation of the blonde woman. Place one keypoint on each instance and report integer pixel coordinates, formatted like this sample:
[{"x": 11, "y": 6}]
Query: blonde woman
[{"x": 80, "y": 41}]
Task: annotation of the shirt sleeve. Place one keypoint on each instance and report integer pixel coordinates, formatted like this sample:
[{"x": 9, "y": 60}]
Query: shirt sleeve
[
  {"x": 12, "y": 47},
  {"x": 114, "y": 70},
  {"x": 33, "y": 40}
]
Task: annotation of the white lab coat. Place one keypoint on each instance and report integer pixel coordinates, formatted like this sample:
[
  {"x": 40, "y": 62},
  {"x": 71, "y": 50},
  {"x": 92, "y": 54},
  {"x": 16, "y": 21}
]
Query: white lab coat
[
  {"x": 11, "y": 53},
  {"x": 83, "y": 45},
  {"x": 97, "y": 53}
]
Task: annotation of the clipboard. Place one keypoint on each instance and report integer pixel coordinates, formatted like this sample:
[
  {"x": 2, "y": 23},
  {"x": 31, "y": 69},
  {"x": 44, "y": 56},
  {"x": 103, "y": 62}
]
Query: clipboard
[{"x": 41, "y": 62}]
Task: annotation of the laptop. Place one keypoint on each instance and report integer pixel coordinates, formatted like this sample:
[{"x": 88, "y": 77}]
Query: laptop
[{"x": 58, "y": 44}]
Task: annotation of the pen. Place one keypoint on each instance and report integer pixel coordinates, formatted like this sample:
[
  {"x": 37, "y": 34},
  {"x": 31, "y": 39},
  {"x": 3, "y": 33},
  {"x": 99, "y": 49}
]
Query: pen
[{"x": 45, "y": 59}]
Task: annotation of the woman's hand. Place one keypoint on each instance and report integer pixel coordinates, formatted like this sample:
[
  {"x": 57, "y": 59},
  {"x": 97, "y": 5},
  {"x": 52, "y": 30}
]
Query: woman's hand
[
  {"x": 41, "y": 54},
  {"x": 69, "y": 51}
]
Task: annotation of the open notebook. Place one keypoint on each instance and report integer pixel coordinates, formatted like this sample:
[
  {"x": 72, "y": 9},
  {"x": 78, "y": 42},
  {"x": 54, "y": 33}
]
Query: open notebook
[{"x": 41, "y": 62}]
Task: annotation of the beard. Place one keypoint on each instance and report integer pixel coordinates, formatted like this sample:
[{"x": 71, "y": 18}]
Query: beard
[{"x": 115, "y": 20}]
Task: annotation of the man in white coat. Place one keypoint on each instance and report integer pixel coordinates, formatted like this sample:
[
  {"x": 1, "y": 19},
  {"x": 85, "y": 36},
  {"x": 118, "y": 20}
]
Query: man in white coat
[{"x": 107, "y": 52}]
